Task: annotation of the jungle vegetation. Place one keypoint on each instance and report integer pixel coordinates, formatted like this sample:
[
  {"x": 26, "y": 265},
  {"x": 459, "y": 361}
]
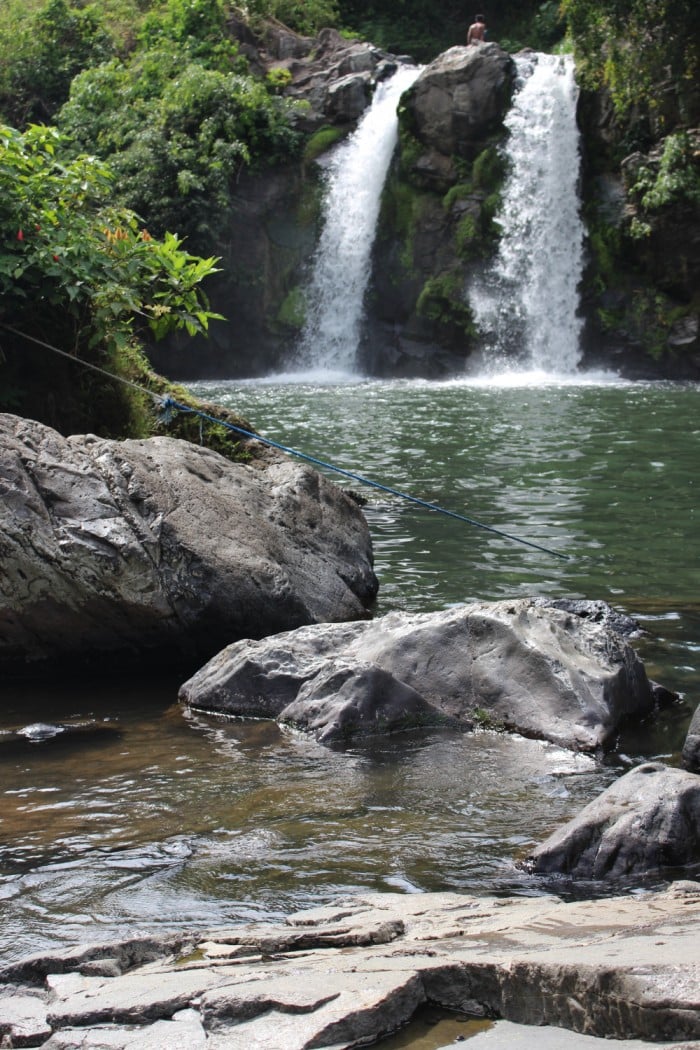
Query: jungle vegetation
[{"x": 125, "y": 123}]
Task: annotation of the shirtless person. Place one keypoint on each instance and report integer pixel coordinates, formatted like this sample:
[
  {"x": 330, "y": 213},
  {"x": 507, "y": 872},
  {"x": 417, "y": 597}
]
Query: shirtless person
[{"x": 477, "y": 31}]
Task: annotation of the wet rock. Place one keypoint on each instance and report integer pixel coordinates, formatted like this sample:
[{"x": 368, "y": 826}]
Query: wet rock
[
  {"x": 647, "y": 821},
  {"x": 597, "y": 612},
  {"x": 624, "y": 968},
  {"x": 691, "y": 747},
  {"x": 62, "y": 736},
  {"x": 156, "y": 549},
  {"x": 518, "y": 665}
]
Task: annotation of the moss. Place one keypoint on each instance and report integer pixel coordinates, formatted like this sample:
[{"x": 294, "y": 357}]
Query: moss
[
  {"x": 147, "y": 419},
  {"x": 401, "y": 210},
  {"x": 410, "y": 152},
  {"x": 489, "y": 169},
  {"x": 442, "y": 301},
  {"x": 468, "y": 237},
  {"x": 485, "y": 720},
  {"x": 459, "y": 192},
  {"x": 321, "y": 141},
  {"x": 292, "y": 312}
]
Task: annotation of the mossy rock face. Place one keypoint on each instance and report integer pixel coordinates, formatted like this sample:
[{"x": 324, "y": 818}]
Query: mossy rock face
[
  {"x": 429, "y": 240},
  {"x": 292, "y": 312},
  {"x": 443, "y": 301}
]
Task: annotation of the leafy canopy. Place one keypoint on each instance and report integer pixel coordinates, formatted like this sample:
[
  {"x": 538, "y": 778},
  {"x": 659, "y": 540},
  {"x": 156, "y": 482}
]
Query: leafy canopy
[
  {"x": 69, "y": 258},
  {"x": 179, "y": 119},
  {"x": 646, "y": 52}
]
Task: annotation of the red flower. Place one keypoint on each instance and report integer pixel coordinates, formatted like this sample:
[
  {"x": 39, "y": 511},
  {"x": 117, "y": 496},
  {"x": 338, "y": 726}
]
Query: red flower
[
  {"x": 55, "y": 258},
  {"x": 20, "y": 235}
]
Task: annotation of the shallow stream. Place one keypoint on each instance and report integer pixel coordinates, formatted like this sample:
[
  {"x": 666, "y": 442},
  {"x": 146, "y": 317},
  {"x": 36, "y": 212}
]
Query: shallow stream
[{"x": 140, "y": 815}]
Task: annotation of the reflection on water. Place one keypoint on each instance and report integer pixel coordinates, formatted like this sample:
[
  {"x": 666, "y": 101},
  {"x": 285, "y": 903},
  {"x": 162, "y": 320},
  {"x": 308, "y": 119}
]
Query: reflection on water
[{"x": 137, "y": 814}]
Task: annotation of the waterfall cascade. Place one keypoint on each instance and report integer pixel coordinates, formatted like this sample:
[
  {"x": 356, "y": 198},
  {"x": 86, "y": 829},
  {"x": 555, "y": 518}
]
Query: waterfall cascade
[
  {"x": 526, "y": 305},
  {"x": 355, "y": 177}
]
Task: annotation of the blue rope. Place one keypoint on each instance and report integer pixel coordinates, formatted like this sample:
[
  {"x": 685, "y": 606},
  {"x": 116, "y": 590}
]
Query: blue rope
[{"x": 169, "y": 404}]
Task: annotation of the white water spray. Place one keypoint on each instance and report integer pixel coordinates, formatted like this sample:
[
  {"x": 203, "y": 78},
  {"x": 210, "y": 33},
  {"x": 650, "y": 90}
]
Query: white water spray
[
  {"x": 526, "y": 306},
  {"x": 356, "y": 175}
]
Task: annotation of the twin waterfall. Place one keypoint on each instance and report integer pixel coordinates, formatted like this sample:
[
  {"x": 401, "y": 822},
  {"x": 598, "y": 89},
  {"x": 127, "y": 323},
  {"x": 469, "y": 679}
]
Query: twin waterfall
[{"x": 526, "y": 304}]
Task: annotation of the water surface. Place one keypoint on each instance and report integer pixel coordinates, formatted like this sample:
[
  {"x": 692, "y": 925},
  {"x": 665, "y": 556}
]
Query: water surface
[{"x": 140, "y": 815}]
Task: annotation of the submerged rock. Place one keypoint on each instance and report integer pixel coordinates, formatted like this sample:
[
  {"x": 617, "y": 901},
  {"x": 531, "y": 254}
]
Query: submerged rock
[
  {"x": 647, "y": 821},
  {"x": 520, "y": 665},
  {"x": 347, "y": 974},
  {"x": 119, "y": 551}
]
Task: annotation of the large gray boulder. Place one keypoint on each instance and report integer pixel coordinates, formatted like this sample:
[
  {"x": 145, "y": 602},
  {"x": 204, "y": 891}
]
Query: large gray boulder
[
  {"x": 521, "y": 665},
  {"x": 460, "y": 99},
  {"x": 144, "y": 548},
  {"x": 647, "y": 821}
]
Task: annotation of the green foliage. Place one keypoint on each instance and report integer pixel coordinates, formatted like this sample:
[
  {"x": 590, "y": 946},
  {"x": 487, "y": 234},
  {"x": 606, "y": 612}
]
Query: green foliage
[
  {"x": 42, "y": 54},
  {"x": 303, "y": 16},
  {"x": 176, "y": 135},
  {"x": 486, "y": 720},
  {"x": 69, "y": 258},
  {"x": 424, "y": 28},
  {"x": 675, "y": 181},
  {"x": 194, "y": 29},
  {"x": 278, "y": 79},
  {"x": 442, "y": 300},
  {"x": 646, "y": 52}
]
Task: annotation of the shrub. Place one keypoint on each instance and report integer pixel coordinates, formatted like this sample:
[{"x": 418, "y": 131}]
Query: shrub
[
  {"x": 40, "y": 54},
  {"x": 177, "y": 134},
  {"x": 73, "y": 262}
]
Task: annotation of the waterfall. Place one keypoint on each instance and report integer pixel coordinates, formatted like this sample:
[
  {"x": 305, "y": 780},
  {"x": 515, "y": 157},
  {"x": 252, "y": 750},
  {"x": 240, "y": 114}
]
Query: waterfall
[
  {"x": 355, "y": 177},
  {"x": 526, "y": 305}
]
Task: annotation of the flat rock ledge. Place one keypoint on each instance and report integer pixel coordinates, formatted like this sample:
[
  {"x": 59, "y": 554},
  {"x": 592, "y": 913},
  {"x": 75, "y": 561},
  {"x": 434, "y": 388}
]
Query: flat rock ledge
[
  {"x": 345, "y": 975},
  {"x": 525, "y": 665},
  {"x": 144, "y": 550}
]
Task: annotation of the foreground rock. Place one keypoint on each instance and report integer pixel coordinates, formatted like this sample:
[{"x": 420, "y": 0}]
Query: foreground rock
[
  {"x": 647, "y": 821},
  {"x": 522, "y": 665},
  {"x": 343, "y": 976},
  {"x": 691, "y": 747},
  {"x": 159, "y": 547}
]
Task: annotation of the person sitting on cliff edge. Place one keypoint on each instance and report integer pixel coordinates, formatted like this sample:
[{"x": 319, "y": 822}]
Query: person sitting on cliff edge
[{"x": 477, "y": 31}]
